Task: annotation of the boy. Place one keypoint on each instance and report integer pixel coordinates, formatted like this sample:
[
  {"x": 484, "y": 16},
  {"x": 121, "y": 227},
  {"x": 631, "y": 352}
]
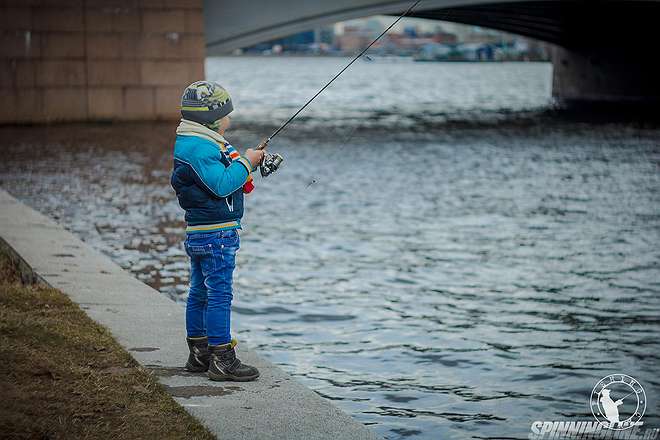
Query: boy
[{"x": 210, "y": 178}]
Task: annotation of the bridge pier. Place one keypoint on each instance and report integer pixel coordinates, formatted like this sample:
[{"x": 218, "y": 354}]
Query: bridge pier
[
  {"x": 625, "y": 77},
  {"x": 78, "y": 60}
]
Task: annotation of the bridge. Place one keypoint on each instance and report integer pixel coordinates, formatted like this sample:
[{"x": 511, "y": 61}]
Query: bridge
[
  {"x": 130, "y": 59},
  {"x": 603, "y": 50}
]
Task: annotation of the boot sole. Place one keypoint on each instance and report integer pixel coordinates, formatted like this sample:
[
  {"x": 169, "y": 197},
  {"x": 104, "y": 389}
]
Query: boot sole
[
  {"x": 229, "y": 377},
  {"x": 194, "y": 369}
]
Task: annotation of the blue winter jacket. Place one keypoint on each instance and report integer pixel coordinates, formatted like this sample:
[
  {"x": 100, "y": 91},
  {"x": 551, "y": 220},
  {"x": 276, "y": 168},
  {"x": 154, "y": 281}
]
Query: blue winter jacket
[{"x": 208, "y": 184}]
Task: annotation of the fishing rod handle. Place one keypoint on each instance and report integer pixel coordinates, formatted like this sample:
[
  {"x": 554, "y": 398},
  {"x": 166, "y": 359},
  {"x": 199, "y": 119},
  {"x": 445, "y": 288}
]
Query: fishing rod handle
[{"x": 263, "y": 145}]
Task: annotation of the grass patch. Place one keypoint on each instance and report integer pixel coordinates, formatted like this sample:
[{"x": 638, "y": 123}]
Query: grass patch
[{"x": 64, "y": 376}]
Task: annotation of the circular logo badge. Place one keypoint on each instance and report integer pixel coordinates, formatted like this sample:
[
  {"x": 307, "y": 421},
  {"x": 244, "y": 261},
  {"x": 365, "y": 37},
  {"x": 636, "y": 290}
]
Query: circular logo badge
[{"x": 618, "y": 401}]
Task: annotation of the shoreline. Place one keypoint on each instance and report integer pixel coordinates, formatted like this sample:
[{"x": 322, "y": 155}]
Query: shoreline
[
  {"x": 88, "y": 384},
  {"x": 150, "y": 327}
]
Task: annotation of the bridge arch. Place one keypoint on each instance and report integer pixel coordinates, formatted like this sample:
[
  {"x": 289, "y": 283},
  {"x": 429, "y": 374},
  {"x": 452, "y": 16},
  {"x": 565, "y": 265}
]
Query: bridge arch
[
  {"x": 603, "y": 50},
  {"x": 266, "y": 20}
]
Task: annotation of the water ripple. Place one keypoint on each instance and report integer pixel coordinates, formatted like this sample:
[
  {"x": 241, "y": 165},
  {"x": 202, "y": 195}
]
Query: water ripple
[{"x": 460, "y": 276}]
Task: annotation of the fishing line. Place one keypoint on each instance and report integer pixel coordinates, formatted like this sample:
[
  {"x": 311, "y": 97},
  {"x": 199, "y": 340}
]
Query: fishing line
[
  {"x": 276, "y": 132},
  {"x": 344, "y": 142}
]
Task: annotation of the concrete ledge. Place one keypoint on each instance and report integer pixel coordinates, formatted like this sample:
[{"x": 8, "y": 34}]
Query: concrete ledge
[{"x": 151, "y": 327}]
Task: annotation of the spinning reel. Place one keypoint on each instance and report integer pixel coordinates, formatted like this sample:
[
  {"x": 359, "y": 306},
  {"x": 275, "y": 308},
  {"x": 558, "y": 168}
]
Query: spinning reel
[
  {"x": 271, "y": 161},
  {"x": 270, "y": 164}
]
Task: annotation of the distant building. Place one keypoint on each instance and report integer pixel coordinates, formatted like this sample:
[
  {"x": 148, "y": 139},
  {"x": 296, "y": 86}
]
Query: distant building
[
  {"x": 410, "y": 31},
  {"x": 424, "y": 42},
  {"x": 434, "y": 52},
  {"x": 353, "y": 38},
  {"x": 444, "y": 37},
  {"x": 326, "y": 34},
  {"x": 315, "y": 41}
]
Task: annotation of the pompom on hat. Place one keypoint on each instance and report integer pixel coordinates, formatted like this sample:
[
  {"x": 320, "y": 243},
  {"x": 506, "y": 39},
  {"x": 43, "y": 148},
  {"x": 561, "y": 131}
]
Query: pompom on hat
[{"x": 205, "y": 102}]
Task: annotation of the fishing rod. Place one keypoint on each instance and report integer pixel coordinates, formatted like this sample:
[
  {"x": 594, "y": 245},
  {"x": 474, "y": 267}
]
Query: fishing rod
[
  {"x": 271, "y": 162},
  {"x": 627, "y": 395}
]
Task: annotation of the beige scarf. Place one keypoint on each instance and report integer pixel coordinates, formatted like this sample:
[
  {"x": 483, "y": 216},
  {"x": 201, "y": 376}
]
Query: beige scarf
[{"x": 190, "y": 128}]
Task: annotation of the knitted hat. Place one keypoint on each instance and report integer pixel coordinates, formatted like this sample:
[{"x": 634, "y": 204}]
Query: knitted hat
[{"x": 205, "y": 102}]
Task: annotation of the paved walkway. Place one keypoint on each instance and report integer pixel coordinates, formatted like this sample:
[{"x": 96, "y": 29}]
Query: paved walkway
[{"x": 151, "y": 327}]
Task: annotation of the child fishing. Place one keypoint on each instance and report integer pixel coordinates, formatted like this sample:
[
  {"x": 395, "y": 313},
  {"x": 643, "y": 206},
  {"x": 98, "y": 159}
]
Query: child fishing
[{"x": 210, "y": 179}]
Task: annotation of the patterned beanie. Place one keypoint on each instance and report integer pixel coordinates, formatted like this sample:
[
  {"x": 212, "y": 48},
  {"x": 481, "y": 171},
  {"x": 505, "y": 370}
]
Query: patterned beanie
[{"x": 206, "y": 102}]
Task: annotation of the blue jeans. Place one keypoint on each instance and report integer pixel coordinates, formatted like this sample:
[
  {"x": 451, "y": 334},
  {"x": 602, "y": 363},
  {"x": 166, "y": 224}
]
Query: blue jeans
[{"x": 212, "y": 262}]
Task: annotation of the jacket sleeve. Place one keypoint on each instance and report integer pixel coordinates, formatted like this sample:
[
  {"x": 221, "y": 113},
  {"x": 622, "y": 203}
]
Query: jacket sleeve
[{"x": 221, "y": 180}]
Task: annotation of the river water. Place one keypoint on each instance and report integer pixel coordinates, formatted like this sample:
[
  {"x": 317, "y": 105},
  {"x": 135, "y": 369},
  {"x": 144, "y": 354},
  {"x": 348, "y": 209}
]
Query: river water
[{"x": 442, "y": 256}]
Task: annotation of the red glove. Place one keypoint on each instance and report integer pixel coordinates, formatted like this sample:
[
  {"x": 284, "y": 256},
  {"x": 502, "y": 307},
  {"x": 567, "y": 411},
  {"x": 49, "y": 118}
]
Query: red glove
[{"x": 248, "y": 186}]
